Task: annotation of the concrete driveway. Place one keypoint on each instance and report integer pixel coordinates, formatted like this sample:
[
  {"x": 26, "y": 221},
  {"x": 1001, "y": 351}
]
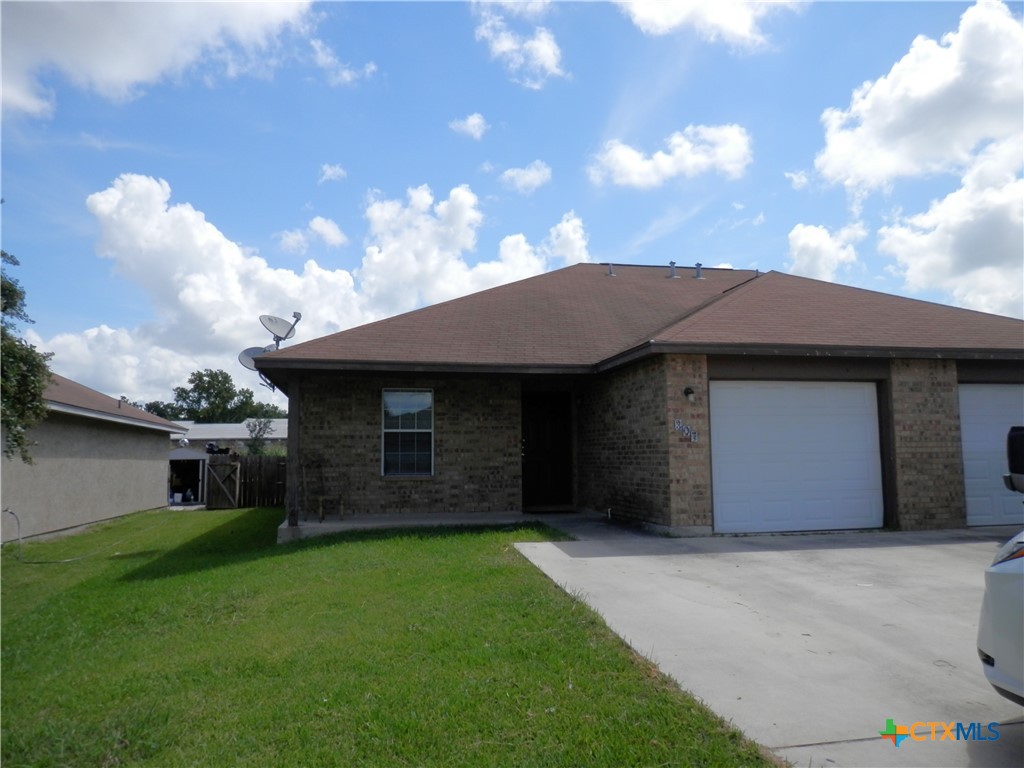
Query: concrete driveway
[{"x": 808, "y": 643}]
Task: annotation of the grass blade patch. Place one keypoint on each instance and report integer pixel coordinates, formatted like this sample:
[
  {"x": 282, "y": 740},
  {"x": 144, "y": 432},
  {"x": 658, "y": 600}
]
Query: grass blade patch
[{"x": 191, "y": 638}]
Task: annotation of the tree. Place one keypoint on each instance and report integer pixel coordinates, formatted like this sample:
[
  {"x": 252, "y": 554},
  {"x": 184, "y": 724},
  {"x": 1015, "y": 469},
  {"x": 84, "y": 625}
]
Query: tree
[
  {"x": 169, "y": 411},
  {"x": 24, "y": 370},
  {"x": 258, "y": 428},
  {"x": 213, "y": 399}
]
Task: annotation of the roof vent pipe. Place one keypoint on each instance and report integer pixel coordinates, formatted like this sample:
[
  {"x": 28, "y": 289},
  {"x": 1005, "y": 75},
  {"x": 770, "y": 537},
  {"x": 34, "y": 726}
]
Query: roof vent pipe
[
  {"x": 611, "y": 269},
  {"x": 672, "y": 273},
  {"x": 697, "y": 273}
]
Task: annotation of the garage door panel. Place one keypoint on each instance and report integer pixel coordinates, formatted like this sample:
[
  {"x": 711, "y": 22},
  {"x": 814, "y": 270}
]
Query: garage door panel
[
  {"x": 791, "y": 456},
  {"x": 987, "y": 411}
]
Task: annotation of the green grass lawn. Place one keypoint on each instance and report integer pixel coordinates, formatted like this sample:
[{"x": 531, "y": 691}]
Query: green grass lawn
[{"x": 191, "y": 638}]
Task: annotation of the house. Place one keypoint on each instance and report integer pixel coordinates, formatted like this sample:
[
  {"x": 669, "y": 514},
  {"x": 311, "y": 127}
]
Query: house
[
  {"x": 94, "y": 458},
  {"x": 687, "y": 400},
  {"x": 233, "y": 437},
  {"x": 189, "y": 446}
]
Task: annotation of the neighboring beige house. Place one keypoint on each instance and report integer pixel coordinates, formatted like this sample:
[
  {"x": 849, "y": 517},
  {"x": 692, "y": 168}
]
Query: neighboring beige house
[
  {"x": 700, "y": 401},
  {"x": 94, "y": 458}
]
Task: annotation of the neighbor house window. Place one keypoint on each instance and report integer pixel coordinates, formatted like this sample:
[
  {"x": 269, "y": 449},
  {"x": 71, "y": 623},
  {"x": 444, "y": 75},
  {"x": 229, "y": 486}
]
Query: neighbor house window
[{"x": 408, "y": 432}]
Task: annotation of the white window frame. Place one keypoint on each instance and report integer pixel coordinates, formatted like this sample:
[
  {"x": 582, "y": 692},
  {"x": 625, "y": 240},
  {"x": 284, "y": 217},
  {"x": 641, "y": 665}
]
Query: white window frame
[{"x": 385, "y": 430}]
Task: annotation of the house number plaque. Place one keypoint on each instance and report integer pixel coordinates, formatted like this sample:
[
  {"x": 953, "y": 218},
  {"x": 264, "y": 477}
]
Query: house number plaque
[{"x": 687, "y": 430}]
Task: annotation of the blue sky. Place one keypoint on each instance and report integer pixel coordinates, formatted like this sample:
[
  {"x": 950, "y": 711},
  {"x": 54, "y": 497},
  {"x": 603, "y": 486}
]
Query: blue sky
[{"x": 173, "y": 170}]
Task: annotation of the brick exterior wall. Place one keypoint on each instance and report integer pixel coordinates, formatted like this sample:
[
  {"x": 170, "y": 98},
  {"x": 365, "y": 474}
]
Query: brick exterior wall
[
  {"x": 337, "y": 426},
  {"x": 689, "y": 461},
  {"x": 623, "y": 444},
  {"x": 630, "y": 456},
  {"x": 633, "y": 460},
  {"x": 927, "y": 461}
]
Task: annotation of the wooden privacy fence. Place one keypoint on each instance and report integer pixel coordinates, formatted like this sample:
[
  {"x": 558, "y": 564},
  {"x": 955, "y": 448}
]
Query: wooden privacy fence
[{"x": 244, "y": 481}]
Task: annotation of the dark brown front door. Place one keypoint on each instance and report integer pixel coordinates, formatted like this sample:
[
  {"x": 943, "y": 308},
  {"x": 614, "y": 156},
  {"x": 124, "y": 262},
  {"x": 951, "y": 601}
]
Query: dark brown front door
[{"x": 547, "y": 451}]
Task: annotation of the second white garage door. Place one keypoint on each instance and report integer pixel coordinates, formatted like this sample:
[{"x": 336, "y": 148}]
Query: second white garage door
[
  {"x": 987, "y": 411},
  {"x": 795, "y": 456}
]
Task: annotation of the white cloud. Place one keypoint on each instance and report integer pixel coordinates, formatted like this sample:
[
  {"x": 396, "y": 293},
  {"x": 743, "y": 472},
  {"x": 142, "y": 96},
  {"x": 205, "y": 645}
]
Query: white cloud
[
  {"x": 331, "y": 172},
  {"x": 734, "y": 21},
  {"x": 473, "y": 126},
  {"x": 293, "y": 241},
  {"x": 815, "y": 252},
  {"x": 565, "y": 244},
  {"x": 530, "y": 60},
  {"x": 338, "y": 73},
  {"x": 798, "y": 179},
  {"x": 969, "y": 245},
  {"x": 567, "y": 241},
  {"x": 416, "y": 250},
  {"x": 951, "y": 106},
  {"x": 296, "y": 241},
  {"x": 327, "y": 231},
  {"x": 526, "y": 180},
  {"x": 115, "y": 49},
  {"x": 529, "y": 9},
  {"x": 206, "y": 292},
  {"x": 694, "y": 150},
  {"x": 936, "y": 106}
]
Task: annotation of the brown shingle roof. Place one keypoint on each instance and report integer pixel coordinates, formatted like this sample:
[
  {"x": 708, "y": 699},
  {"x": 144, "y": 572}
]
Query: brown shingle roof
[
  {"x": 779, "y": 310},
  {"x": 578, "y": 317},
  {"x": 570, "y": 317},
  {"x": 69, "y": 396}
]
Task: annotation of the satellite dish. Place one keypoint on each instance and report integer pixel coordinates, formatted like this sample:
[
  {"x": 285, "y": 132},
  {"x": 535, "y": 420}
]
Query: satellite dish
[
  {"x": 245, "y": 357},
  {"x": 281, "y": 330},
  {"x": 278, "y": 326}
]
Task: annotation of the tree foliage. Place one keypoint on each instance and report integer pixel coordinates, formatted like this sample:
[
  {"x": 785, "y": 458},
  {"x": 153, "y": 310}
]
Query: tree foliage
[
  {"x": 211, "y": 398},
  {"x": 259, "y": 429},
  {"x": 23, "y": 368}
]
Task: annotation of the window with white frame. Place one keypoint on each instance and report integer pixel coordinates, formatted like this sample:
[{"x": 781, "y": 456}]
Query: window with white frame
[{"x": 407, "y": 424}]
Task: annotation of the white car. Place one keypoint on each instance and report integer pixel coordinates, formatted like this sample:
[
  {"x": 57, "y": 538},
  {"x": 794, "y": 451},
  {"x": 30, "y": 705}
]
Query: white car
[{"x": 1001, "y": 626}]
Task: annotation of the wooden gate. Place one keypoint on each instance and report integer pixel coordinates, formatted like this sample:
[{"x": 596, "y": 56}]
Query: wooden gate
[
  {"x": 223, "y": 482},
  {"x": 245, "y": 481}
]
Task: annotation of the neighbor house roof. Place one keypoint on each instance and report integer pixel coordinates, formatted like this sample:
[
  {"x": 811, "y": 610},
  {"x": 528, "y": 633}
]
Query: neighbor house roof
[
  {"x": 66, "y": 396},
  {"x": 583, "y": 318},
  {"x": 203, "y": 433}
]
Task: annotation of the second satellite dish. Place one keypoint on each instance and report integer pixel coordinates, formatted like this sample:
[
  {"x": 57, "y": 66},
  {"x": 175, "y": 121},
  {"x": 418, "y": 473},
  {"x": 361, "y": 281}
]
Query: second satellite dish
[
  {"x": 245, "y": 357},
  {"x": 281, "y": 330}
]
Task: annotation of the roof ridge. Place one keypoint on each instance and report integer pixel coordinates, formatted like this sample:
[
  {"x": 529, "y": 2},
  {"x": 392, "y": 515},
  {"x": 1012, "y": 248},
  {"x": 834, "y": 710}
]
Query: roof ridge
[{"x": 708, "y": 306}]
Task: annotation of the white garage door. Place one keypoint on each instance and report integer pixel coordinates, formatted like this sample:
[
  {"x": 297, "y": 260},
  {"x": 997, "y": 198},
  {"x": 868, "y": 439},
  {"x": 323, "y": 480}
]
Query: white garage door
[
  {"x": 795, "y": 456},
  {"x": 987, "y": 411}
]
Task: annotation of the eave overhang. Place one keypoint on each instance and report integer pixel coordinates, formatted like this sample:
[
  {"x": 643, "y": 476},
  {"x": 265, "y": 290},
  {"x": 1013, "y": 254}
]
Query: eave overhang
[
  {"x": 655, "y": 347},
  {"x": 109, "y": 417},
  {"x": 280, "y": 371}
]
